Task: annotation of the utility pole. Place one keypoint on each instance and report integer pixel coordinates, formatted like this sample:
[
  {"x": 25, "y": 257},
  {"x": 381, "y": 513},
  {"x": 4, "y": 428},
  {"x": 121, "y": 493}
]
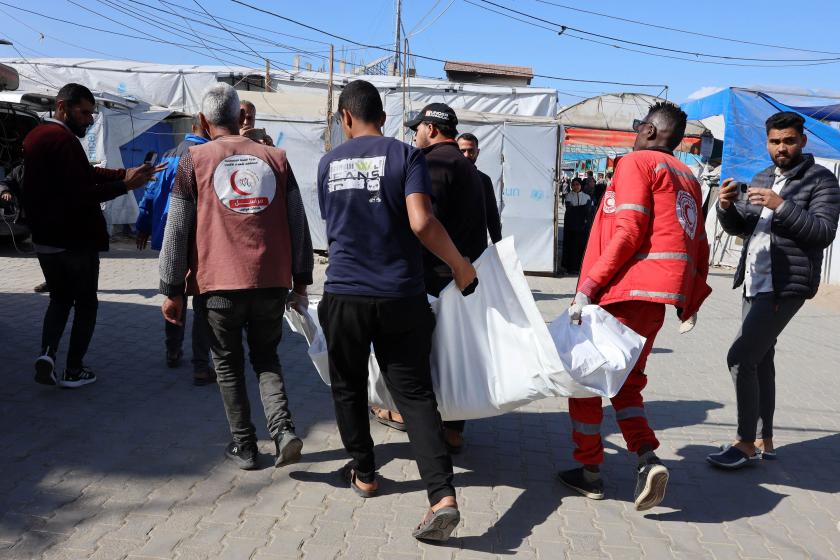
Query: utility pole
[
  {"x": 267, "y": 75},
  {"x": 395, "y": 70},
  {"x": 328, "y": 143}
]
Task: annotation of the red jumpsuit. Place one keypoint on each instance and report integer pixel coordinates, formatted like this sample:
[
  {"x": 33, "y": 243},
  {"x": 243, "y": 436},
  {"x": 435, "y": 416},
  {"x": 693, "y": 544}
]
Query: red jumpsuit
[{"x": 647, "y": 248}]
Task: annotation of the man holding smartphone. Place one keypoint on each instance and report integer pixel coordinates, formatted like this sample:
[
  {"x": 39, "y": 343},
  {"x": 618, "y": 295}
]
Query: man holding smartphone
[
  {"x": 62, "y": 202},
  {"x": 788, "y": 217}
]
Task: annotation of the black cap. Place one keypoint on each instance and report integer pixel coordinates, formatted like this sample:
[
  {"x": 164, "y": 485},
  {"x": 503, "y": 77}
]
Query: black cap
[{"x": 438, "y": 113}]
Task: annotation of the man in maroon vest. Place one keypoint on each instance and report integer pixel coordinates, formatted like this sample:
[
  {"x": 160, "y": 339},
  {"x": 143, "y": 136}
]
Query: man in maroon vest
[{"x": 237, "y": 235}]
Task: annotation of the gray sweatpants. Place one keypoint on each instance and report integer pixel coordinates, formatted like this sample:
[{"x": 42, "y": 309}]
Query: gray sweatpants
[{"x": 750, "y": 361}]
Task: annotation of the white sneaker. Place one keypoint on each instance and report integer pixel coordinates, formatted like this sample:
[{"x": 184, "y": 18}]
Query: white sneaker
[{"x": 45, "y": 370}]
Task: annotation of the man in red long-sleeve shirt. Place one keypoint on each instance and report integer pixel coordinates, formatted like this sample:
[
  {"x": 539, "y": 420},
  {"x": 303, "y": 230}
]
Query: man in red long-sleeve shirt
[
  {"x": 647, "y": 249},
  {"x": 62, "y": 196}
]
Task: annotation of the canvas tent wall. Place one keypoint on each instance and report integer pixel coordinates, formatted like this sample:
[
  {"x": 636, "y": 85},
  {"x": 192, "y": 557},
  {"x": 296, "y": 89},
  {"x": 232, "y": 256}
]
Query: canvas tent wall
[{"x": 294, "y": 112}]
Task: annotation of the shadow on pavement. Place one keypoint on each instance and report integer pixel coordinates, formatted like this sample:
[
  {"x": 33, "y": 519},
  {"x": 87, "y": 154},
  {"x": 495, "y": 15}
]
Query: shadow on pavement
[
  {"x": 732, "y": 495},
  {"x": 139, "y": 421}
]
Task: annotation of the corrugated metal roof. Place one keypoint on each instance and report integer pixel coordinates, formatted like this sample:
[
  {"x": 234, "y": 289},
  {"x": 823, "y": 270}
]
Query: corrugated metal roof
[{"x": 489, "y": 69}]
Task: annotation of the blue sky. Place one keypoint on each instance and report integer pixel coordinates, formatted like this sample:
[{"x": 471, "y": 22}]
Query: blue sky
[{"x": 460, "y": 30}]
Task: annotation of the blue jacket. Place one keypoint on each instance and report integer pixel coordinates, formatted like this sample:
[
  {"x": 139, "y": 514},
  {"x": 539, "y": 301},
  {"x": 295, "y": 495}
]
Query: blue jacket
[{"x": 154, "y": 206}]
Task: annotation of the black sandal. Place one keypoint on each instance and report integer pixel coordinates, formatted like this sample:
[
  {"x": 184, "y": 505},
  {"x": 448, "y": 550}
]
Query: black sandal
[
  {"x": 438, "y": 525},
  {"x": 348, "y": 475},
  {"x": 387, "y": 420}
]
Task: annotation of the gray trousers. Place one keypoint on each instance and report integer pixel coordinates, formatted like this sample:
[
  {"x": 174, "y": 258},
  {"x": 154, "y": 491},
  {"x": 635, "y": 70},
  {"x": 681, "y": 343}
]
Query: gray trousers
[
  {"x": 750, "y": 361},
  {"x": 260, "y": 314}
]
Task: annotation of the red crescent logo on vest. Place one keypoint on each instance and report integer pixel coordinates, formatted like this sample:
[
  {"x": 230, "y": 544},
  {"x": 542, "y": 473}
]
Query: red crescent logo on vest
[
  {"x": 236, "y": 189},
  {"x": 687, "y": 213},
  {"x": 244, "y": 183},
  {"x": 609, "y": 202}
]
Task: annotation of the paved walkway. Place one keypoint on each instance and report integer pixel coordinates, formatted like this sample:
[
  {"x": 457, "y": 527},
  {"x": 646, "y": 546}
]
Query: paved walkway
[{"x": 132, "y": 466}]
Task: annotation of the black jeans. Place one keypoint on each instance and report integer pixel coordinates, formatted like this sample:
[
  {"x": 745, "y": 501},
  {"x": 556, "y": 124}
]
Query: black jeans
[
  {"x": 435, "y": 283},
  {"x": 401, "y": 333},
  {"x": 261, "y": 314},
  {"x": 200, "y": 334},
  {"x": 750, "y": 361},
  {"x": 73, "y": 278}
]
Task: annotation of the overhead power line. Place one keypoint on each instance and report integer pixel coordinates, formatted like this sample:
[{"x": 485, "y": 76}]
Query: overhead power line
[
  {"x": 563, "y": 28},
  {"x": 431, "y": 58},
  {"x": 568, "y": 32},
  {"x": 685, "y": 31}
]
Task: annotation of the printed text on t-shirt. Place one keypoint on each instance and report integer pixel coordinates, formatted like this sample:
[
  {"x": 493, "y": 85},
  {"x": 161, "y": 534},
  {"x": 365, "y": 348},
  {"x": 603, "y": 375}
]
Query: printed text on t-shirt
[{"x": 357, "y": 173}]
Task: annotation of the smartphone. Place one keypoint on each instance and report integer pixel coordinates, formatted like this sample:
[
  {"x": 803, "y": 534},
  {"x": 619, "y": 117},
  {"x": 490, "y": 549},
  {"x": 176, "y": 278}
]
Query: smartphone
[
  {"x": 151, "y": 158},
  {"x": 743, "y": 187}
]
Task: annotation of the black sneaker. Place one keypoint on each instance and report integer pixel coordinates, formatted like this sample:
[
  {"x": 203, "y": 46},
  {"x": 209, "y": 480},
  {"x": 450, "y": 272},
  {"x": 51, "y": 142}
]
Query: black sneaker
[
  {"x": 45, "y": 370},
  {"x": 288, "y": 447},
  {"x": 173, "y": 357},
  {"x": 575, "y": 480},
  {"x": 243, "y": 454},
  {"x": 76, "y": 377},
  {"x": 651, "y": 480}
]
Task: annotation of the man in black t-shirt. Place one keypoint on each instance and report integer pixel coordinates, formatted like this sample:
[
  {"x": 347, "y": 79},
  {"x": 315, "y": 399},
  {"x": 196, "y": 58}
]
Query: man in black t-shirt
[
  {"x": 458, "y": 203},
  {"x": 468, "y": 144},
  {"x": 375, "y": 195}
]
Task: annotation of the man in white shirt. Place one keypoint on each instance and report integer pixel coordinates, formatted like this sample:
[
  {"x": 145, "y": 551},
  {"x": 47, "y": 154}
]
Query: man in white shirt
[{"x": 788, "y": 219}]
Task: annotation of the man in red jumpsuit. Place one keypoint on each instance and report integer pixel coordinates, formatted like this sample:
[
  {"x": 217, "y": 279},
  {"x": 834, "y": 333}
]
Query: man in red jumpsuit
[{"x": 647, "y": 249}]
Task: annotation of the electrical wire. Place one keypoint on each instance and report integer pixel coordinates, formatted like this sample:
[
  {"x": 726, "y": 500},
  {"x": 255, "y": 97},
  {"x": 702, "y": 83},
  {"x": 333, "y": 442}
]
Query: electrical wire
[
  {"x": 685, "y": 31},
  {"x": 564, "y": 28},
  {"x": 435, "y": 59},
  {"x": 434, "y": 21}
]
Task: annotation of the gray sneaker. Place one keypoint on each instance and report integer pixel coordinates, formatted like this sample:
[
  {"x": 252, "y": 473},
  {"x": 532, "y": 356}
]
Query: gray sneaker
[
  {"x": 45, "y": 370},
  {"x": 288, "y": 447}
]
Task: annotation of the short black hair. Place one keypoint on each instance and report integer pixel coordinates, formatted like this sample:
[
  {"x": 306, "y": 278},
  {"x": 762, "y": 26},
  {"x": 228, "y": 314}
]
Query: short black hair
[
  {"x": 446, "y": 129},
  {"x": 73, "y": 94},
  {"x": 674, "y": 116},
  {"x": 361, "y": 99},
  {"x": 469, "y": 137},
  {"x": 786, "y": 119},
  {"x": 577, "y": 180}
]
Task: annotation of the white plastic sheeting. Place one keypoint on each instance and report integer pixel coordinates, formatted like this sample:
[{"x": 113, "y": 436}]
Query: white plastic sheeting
[{"x": 530, "y": 155}]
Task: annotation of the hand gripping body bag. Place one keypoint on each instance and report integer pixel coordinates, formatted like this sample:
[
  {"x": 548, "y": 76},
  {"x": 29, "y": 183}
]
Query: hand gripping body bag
[{"x": 599, "y": 353}]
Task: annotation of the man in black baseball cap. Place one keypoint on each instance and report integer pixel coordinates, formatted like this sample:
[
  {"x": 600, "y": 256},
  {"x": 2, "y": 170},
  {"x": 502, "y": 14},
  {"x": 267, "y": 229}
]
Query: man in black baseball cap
[
  {"x": 458, "y": 195},
  {"x": 438, "y": 114}
]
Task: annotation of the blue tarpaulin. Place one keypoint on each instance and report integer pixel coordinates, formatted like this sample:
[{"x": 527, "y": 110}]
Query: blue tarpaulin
[{"x": 745, "y": 138}]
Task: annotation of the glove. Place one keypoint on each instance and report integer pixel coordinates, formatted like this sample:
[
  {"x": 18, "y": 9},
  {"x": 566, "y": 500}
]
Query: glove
[
  {"x": 688, "y": 324},
  {"x": 298, "y": 302},
  {"x": 581, "y": 300}
]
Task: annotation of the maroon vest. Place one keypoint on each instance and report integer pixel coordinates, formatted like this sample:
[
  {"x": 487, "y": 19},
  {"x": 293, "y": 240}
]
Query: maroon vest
[{"x": 242, "y": 230}]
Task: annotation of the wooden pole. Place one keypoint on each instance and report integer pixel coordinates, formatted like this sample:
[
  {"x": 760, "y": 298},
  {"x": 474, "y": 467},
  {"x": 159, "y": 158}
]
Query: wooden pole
[
  {"x": 328, "y": 142},
  {"x": 267, "y": 75},
  {"x": 404, "y": 88}
]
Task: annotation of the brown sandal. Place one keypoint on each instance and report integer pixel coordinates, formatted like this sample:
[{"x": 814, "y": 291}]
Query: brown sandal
[{"x": 386, "y": 418}]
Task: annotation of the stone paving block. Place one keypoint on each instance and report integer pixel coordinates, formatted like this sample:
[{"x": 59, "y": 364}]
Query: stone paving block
[
  {"x": 240, "y": 549},
  {"x": 160, "y": 544},
  {"x": 33, "y": 544},
  {"x": 285, "y": 544},
  {"x": 108, "y": 549},
  {"x": 321, "y": 552},
  {"x": 136, "y": 528},
  {"x": 723, "y": 551}
]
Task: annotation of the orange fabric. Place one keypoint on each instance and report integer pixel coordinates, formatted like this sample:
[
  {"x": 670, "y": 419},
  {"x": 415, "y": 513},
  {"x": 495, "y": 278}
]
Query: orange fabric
[
  {"x": 618, "y": 139},
  {"x": 646, "y": 319},
  {"x": 648, "y": 241},
  {"x": 242, "y": 233}
]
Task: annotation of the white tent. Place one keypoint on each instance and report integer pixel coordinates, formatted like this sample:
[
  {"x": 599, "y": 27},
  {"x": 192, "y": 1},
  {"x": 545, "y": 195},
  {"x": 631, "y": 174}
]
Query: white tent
[{"x": 518, "y": 134}]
